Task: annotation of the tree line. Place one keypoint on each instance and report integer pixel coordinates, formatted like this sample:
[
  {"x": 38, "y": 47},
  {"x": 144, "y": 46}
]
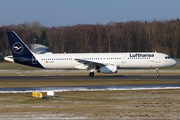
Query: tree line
[{"x": 131, "y": 36}]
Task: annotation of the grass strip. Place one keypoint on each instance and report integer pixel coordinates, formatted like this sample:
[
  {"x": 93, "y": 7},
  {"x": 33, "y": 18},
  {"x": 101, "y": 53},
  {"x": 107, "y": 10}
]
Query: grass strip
[{"x": 64, "y": 83}]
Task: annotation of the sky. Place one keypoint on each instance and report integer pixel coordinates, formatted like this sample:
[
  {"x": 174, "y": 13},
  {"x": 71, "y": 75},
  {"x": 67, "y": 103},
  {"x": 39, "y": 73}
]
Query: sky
[{"x": 54, "y": 13}]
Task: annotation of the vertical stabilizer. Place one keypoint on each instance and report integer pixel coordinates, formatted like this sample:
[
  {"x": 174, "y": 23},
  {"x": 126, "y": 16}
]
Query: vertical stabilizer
[
  {"x": 20, "y": 52},
  {"x": 17, "y": 45}
]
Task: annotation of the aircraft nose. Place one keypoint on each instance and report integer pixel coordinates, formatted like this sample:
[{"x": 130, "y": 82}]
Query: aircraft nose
[{"x": 173, "y": 62}]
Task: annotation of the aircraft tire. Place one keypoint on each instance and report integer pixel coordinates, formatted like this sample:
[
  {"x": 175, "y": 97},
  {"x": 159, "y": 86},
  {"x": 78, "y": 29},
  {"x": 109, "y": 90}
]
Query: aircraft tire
[
  {"x": 91, "y": 74},
  {"x": 157, "y": 74}
]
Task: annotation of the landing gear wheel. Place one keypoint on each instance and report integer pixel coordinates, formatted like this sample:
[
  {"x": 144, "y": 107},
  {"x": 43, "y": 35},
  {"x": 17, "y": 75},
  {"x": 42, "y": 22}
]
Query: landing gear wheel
[
  {"x": 157, "y": 74},
  {"x": 91, "y": 74}
]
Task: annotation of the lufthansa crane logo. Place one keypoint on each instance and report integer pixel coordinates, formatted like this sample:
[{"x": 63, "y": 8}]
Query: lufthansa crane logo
[{"x": 17, "y": 47}]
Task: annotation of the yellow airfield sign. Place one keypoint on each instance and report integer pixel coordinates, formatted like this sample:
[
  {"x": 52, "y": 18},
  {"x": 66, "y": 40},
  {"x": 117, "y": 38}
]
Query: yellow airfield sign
[{"x": 36, "y": 95}]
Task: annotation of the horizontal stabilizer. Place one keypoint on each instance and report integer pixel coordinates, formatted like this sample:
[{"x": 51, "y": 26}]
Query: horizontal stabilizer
[{"x": 9, "y": 59}]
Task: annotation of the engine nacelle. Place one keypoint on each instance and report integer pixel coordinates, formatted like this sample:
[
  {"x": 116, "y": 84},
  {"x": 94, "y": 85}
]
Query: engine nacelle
[{"x": 108, "y": 69}]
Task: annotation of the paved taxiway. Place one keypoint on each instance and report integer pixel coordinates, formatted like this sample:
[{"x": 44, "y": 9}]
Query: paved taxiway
[
  {"x": 89, "y": 88},
  {"x": 105, "y": 77}
]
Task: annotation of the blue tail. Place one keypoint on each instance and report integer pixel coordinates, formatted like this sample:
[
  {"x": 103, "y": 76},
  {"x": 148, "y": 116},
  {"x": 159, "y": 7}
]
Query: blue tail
[{"x": 21, "y": 53}]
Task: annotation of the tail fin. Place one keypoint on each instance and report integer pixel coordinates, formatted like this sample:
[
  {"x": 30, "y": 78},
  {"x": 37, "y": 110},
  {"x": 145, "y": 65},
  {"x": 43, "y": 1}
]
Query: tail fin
[
  {"x": 17, "y": 45},
  {"x": 21, "y": 53}
]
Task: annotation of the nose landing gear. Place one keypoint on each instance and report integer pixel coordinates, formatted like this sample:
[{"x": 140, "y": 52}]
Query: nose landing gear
[{"x": 157, "y": 74}]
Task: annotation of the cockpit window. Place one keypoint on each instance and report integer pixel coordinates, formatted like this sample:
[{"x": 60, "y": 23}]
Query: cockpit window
[{"x": 167, "y": 57}]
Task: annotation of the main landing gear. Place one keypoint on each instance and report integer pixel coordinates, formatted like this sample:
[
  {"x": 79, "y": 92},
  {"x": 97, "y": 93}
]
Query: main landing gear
[
  {"x": 91, "y": 74},
  {"x": 157, "y": 74}
]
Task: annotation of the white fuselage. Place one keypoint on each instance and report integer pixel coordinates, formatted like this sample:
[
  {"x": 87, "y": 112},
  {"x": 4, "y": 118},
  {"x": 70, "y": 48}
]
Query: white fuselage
[{"x": 121, "y": 60}]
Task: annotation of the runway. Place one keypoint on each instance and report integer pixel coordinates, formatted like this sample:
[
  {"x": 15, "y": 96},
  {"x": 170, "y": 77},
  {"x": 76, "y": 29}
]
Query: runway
[
  {"x": 100, "y": 77},
  {"x": 89, "y": 88}
]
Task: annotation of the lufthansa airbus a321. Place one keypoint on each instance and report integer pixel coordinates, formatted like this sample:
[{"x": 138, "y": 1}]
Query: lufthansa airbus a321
[{"x": 99, "y": 62}]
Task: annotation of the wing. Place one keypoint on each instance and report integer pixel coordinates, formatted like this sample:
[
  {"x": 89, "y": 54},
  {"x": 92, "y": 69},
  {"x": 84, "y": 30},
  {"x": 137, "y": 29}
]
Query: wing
[{"x": 90, "y": 64}]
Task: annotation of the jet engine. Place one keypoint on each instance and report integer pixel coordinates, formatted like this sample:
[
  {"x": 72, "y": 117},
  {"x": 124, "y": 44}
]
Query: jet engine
[{"x": 108, "y": 69}]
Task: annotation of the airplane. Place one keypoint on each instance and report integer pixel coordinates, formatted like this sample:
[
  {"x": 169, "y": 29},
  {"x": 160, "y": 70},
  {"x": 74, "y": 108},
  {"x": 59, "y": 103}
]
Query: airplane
[{"x": 99, "y": 62}]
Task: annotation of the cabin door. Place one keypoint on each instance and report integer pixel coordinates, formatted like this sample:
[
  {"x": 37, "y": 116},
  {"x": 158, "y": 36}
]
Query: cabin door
[
  {"x": 123, "y": 59},
  {"x": 158, "y": 59}
]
